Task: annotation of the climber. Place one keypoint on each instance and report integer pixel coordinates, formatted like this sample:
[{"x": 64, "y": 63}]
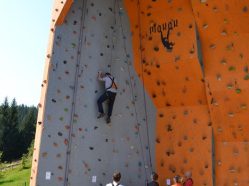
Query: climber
[
  {"x": 154, "y": 177},
  {"x": 189, "y": 181},
  {"x": 116, "y": 179},
  {"x": 110, "y": 94}
]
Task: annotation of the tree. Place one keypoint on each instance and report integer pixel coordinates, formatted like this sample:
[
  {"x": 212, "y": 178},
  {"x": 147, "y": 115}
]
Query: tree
[
  {"x": 4, "y": 121},
  {"x": 22, "y": 113},
  {"x": 11, "y": 137},
  {"x": 17, "y": 129},
  {"x": 28, "y": 128}
]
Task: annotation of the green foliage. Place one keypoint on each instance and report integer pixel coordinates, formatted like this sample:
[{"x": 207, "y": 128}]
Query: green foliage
[
  {"x": 11, "y": 136},
  {"x": 17, "y": 129},
  {"x": 20, "y": 174},
  {"x": 24, "y": 161},
  {"x": 15, "y": 176},
  {"x": 26, "y": 158}
]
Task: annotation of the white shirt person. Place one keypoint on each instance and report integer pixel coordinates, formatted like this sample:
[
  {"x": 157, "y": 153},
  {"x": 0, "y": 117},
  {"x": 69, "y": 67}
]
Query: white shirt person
[
  {"x": 109, "y": 94},
  {"x": 116, "y": 180}
]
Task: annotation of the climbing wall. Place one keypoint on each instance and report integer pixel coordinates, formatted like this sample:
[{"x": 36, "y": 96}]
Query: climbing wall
[
  {"x": 173, "y": 77},
  {"x": 224, "y": 34},
  {"x": 189, "y": 56},
  {"x": 72, "y": 147}
]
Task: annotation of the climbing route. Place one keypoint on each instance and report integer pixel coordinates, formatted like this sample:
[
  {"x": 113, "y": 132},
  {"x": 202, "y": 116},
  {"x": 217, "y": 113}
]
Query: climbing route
[
  {"x": 73, "y": 141},
  {"x": 223, "y": 28},
  {"x": 174, "y": 81}
]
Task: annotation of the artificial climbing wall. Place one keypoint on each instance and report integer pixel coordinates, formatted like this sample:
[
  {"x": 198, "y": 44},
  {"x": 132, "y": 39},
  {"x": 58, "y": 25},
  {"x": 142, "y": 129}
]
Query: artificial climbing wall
[
  {"x": 173, "y": 77},
  {"x": 223, "y": 28},
  {"x": 192, "y": 58},
  {"x": 72, "y": 147},
  {"x": 223, "y": 44}
]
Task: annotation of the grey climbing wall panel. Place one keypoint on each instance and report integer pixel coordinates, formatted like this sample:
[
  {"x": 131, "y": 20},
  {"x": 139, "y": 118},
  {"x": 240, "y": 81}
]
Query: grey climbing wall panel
[{"x": 75, "y": 145}]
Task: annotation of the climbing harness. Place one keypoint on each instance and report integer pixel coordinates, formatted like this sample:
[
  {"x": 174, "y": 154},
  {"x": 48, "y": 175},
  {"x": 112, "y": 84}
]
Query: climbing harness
[
  {"x": 113, "y": 84},
  {"x": 76, "y": 78}
]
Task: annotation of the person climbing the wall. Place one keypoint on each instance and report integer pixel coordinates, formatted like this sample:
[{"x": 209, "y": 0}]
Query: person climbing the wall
[
  {"x": 154, "y": 178},
  {"x": 110, "y": 94},
  {"x": 189, "y": 181},
  {"x": 177, "y": 181},
  {"x": 115, "y": 180}
]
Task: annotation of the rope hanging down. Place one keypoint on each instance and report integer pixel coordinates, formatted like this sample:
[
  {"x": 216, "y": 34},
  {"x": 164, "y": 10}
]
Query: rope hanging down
[
  {"x": 113, "y": 31},
  {"x": 133, "y": 99},
  {"x": 76, "y": 77},
  {"x": 142, "y": 74},
  {"x": 132, "y": 93}
]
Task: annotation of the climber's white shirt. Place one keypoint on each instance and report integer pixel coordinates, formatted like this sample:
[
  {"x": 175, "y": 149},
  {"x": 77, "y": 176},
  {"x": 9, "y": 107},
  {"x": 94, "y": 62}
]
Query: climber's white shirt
[
  {"x": 113, "y": 183},
  {"x": 108, "y": 83}
]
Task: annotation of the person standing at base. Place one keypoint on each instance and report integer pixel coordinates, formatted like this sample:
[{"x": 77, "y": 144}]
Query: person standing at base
[
  {"x": 189, "y": 181},
  {"x": 177, "y": 181},
  {"x": 115, "y": 180},
  {"x": 154, "y": 177},
  {"x": 110, "y": 95}
]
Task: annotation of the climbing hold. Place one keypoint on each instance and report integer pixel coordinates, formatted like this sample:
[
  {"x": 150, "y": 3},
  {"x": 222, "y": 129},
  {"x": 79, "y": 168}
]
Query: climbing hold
[
  {"x": 223, "y": 61},
  {"x": 246, "y": 77},
  {"x": 60, "y": 134},
  {"x": 232, "y": 68},
  {"x": 156, "y": 48},
  {"x": 245, "y": 9},
  {"x": 205, "y": 26},
  {"x": 238, "y": 90}
]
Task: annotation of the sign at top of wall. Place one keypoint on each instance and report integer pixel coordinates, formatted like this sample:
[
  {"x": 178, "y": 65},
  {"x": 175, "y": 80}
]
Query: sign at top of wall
[{"x": 166, "y": 27}]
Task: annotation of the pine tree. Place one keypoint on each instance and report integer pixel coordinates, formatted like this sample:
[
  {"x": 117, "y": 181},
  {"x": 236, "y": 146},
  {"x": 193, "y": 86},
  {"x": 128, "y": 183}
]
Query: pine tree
[
  {"x": 28, "y": 128},
  {"x": 4, "y": 121},
  {"x": 11, "y": 136},
  {"x": 17, "y": 129},
  {"x": 22, "y": 113}
]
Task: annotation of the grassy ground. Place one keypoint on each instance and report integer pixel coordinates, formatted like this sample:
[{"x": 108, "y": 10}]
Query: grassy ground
[{"x": 15, "y": 177}]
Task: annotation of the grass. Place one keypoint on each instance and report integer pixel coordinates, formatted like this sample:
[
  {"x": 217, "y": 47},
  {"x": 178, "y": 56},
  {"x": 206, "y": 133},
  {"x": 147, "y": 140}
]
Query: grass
[{"x": 17, "y": 176}]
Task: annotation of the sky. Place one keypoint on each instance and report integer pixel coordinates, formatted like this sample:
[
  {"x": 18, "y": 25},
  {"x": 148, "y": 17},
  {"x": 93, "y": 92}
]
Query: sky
[{"x": 24, "y": 32}]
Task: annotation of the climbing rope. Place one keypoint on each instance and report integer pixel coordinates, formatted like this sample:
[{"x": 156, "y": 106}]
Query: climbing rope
[
  {"x": 142, "y": 74},
  {"x": 133, "y": 99},
  {"x": 76, "y": 77},
  {"x": 115, "y": 6},
  {"x": 113, "y": 31}
]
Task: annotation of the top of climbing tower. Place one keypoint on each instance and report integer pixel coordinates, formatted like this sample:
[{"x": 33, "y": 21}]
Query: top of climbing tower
[{"x": 61, "y": 8}]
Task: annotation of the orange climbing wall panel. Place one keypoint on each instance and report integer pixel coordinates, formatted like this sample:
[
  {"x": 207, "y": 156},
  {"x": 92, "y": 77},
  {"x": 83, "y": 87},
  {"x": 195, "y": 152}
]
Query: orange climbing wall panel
[
  {"x": 184, "y": 143},
  {"x": 174, "y": 80},
  {"x": 224, "y": 34},
  {"x": 60, "y": 10},
  {"x": 63, "y": 11}
]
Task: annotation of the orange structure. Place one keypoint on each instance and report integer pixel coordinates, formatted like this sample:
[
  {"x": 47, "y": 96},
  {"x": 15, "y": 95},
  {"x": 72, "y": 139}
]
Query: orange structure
[
  {"x": 223, "y": 28},
  {"x": 175, "y": 82}
]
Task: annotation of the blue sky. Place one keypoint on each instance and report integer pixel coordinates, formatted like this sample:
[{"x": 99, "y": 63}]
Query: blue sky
[{"x": 24, "y": 35}]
